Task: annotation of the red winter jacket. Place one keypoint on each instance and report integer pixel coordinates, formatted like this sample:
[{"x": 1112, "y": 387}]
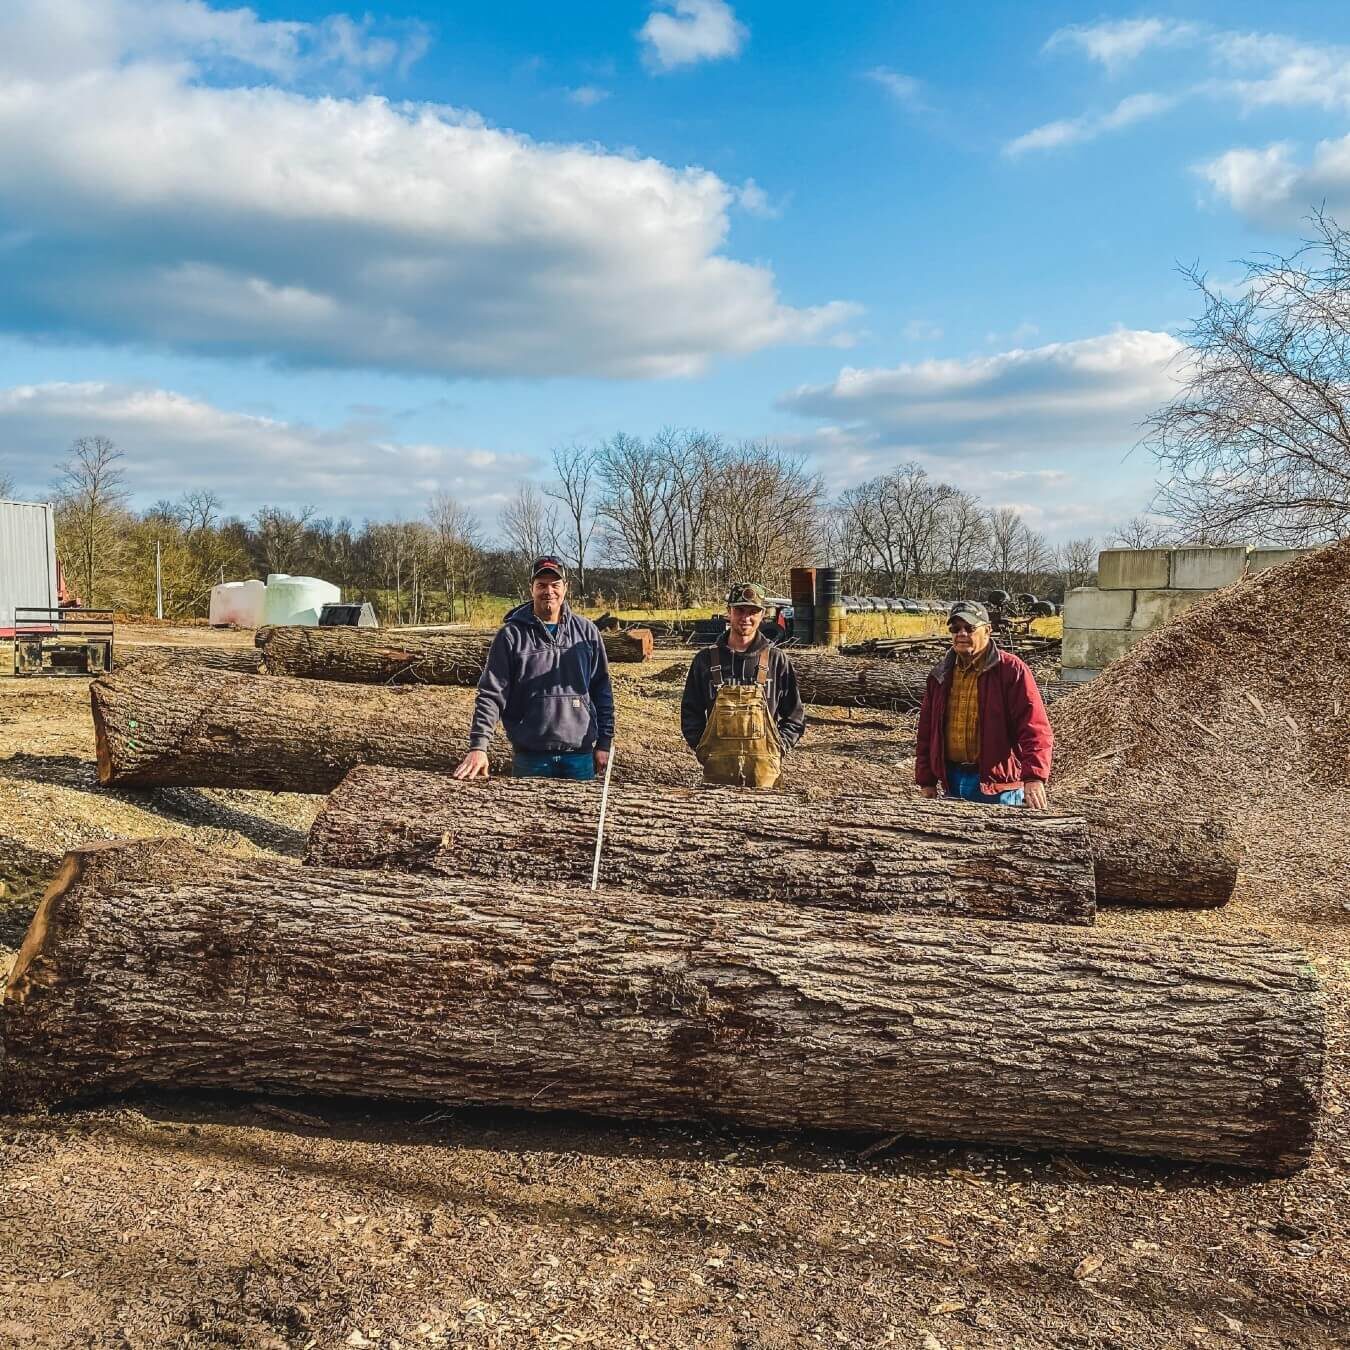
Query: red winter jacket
[{"x": 1016, "y": 742}]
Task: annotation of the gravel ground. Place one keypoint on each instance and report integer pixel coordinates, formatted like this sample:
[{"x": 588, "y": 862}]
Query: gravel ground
[{"x": 195, "y": 1221}]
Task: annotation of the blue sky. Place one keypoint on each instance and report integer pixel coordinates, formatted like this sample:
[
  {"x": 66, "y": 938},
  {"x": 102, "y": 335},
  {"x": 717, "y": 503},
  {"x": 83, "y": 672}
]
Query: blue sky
[{"x": 309, "y": 258}]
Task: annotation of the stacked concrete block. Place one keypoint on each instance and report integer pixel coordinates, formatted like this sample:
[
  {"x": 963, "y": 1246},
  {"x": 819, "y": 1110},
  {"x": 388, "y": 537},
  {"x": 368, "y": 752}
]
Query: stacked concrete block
[{"x": 1139, "y": 590}]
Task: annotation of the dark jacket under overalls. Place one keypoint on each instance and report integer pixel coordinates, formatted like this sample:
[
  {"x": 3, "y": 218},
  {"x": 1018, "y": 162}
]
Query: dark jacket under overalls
[{"x": 780, "y": 691}]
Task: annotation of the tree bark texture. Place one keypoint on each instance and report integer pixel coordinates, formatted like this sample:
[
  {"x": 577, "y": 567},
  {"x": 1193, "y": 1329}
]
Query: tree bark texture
[
  {"x": 156, "y": 965},
  {"x": 370, "y": 656},
  {"x": 860, "y": 853},
  {"x": 858, "y": 682},
  {"x": 1156, "y": 859},
  {"x": 202, "y": 728},
  {"x": 148, "y": 656}
]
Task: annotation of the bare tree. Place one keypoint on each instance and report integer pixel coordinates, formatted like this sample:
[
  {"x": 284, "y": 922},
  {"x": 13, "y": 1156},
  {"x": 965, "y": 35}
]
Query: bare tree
[
  {"x": 91, "y": 502},
  {"x": 280, "y": 537},
  {"x": 576, "y": 468},
  {"x": 457, "y": 550},
  {"x": 1078, "y": 562},
  {"x": 530, "y": 528},
  {"x": 1141, "y": 531},
  {"x": 1257, "y": 441},
  {"x": 6, "y": 486}
]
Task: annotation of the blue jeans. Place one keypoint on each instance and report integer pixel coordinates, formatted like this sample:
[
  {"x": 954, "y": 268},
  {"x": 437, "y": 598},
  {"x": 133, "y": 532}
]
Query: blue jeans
[
  {"x": 965, "y": 783},
  {"x": 578, "y": 765}
]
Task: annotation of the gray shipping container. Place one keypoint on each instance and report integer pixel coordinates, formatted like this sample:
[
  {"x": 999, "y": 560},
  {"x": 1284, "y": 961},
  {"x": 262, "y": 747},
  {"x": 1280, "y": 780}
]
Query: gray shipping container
[{"x": 27, "y": 559}]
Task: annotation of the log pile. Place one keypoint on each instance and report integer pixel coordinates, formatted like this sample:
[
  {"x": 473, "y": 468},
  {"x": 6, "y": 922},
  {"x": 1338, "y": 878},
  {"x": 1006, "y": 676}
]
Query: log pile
[
  {"x": 857, "y": 682},
  {"x": 206, "y": 728},
  {"x": 859, "y": 853},
  {"x": 155, "y": 965},
  {"x": 372, "y": 656}
]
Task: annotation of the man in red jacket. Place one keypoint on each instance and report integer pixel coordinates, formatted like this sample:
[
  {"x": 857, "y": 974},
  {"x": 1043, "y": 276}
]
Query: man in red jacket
[{"x": 983, "y": 732}]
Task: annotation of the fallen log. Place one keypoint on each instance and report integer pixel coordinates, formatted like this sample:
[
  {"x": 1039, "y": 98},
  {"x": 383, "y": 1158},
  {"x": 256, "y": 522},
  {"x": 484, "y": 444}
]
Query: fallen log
[
  {"x": 206, "y": 728},
  {"x": 372, "y": 656},
  {"x": 148, "y": 656},
  {"x": 1157, "y": 860},
  {"x": 857, "y": 853},
  {"x": 856, "y": 682},
  {"x": 156, "y": 965},
  {"x": 854, "y": 846}
]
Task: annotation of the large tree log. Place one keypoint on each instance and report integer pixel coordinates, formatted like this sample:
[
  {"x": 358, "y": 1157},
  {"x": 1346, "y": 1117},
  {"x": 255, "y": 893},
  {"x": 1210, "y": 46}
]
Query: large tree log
[
  {"x": 857, "y": 850},
  {"x": 148, "y": 656},
  {"x": 859, "y": 853},
  {"x": 202, "y": 728},
  {"x": 158, "y": 965},
  {"x": 1155, "y": 858},
  {"x": 371, "y": 656},
  {"x": 856, "y": 682}
]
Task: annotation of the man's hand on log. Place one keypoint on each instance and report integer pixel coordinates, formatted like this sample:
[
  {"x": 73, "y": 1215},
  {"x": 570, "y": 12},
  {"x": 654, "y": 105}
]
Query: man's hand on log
[
  {"x": 473, "y": 765},
  {"x": 1035, "y": 794},
  {"x": 601, "y": 759}
]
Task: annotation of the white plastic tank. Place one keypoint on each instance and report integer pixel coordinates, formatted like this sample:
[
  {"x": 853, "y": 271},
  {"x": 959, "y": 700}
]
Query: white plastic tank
[
  {"x": 297, "y": 600},
  {"x": 239, "y": 603}
]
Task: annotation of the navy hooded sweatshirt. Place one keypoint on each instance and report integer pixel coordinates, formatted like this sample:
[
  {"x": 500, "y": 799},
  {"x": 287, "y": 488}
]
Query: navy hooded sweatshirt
[{"x": 550, "y": 690}]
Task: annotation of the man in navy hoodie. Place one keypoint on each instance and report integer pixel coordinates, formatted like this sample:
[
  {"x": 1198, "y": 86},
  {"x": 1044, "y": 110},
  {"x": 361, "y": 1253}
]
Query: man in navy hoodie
[{"x": 547, "y": 679}]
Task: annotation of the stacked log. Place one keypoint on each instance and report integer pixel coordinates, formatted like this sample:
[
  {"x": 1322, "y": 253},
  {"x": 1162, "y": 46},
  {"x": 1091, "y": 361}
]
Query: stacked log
[
  {"x": 206, "y": 728},
  {"x": 148, "y": 656},
  {"x": 856, "y": 682},
  {"x": 156, "y": 965},
  {"x": 850, "y": 853},
  {"x": 371, "y": 656},
  {"x": 857, "y": 850}
]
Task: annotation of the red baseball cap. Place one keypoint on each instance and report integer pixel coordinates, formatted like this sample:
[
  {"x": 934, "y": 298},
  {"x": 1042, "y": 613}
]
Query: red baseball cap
[{"x": 547, "y": 564}]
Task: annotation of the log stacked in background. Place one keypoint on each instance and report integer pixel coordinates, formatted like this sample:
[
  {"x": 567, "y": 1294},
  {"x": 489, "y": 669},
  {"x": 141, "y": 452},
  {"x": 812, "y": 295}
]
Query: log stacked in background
[
  {"x": 1155, "y": 857},
  {"x": 206, "y": 728},
  {"x": 372, "y": 656},
  {"x": 697, "y": 841},
  {"x": 148, "y": 656},
  {"x": 156, "y": 965},
  {"x": 826, "y": 678},
  {"x": 858, "y": 853}
]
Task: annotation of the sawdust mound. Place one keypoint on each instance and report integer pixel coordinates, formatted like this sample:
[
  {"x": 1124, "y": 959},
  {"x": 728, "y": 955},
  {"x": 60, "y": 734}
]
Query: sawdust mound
[{"x": 1242, "y": 703}]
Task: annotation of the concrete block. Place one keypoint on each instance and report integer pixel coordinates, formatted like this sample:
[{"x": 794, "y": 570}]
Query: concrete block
[
  {"x": 1089, "y": 607},
  {"x": 1206, "y": 569},
  {"x": 1263, "y": 559},
  {"x": 1078, "y": 674},
  {"x": 1127, "y": 569},
  {"x": 1097, "y": 647},
  {"x": 1152, "y": 609}
]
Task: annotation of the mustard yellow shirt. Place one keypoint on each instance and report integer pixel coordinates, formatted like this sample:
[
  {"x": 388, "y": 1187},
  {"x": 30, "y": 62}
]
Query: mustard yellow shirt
[{"x": 963, "y": 712}]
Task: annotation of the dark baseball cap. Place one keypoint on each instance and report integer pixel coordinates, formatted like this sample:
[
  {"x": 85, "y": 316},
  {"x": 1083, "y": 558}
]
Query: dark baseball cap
[
  {"x": 746, "y": 593},
  {"x": 548, "y": 563},
  {"x": 971, "y": 611}
]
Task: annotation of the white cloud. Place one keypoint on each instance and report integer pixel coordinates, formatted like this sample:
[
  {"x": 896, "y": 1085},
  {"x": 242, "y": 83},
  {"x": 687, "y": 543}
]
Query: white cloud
[
  {"x": 921, "y": 330},
  {"x": 1074, "y": 130},
  {"x": 1061, "y": 397},
  {"x": 1117, "y": 43},
  {"x": 175, "y": 443},
  {"x": 143, "y": 204},
  {"x": 587, "y": 95},
  {"x": 904, "y": 89},
  {"x": 1269, "y": 70},
  {"x": 685, "y": 32},
  {"x": 1268, "y": 187}
]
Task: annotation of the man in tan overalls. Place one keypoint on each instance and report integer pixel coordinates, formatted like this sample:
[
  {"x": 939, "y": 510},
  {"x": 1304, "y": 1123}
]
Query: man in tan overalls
[{"x": 741, "y": 711}]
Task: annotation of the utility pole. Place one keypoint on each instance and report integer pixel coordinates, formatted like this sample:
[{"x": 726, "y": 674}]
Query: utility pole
[{"x": 159, "y": 584}]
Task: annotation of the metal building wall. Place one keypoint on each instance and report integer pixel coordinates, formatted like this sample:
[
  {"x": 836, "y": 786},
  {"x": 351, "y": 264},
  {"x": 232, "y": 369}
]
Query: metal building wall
[{"x": 27, "y": 558}]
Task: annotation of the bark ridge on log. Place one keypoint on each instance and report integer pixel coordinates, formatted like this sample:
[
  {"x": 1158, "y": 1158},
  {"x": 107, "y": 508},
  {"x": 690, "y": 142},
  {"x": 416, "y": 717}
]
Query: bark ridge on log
[
  {"x": 860, "y": 853},
  {"x": 157, "y": 965}
]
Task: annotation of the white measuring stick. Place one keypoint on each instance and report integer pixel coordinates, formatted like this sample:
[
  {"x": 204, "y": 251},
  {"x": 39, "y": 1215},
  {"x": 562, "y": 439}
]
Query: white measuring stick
[{"x": 600, "y": 829}]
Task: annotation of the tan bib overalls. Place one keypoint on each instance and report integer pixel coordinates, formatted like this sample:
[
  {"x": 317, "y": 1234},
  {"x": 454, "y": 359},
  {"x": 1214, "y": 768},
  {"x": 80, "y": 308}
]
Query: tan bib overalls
[{"x": 740, "y": 745}]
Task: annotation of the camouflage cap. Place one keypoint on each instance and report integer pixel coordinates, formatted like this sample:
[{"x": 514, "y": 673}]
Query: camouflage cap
[
  {"x": 746, "y": 593},
  {"x": 971, "y": 611}
]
